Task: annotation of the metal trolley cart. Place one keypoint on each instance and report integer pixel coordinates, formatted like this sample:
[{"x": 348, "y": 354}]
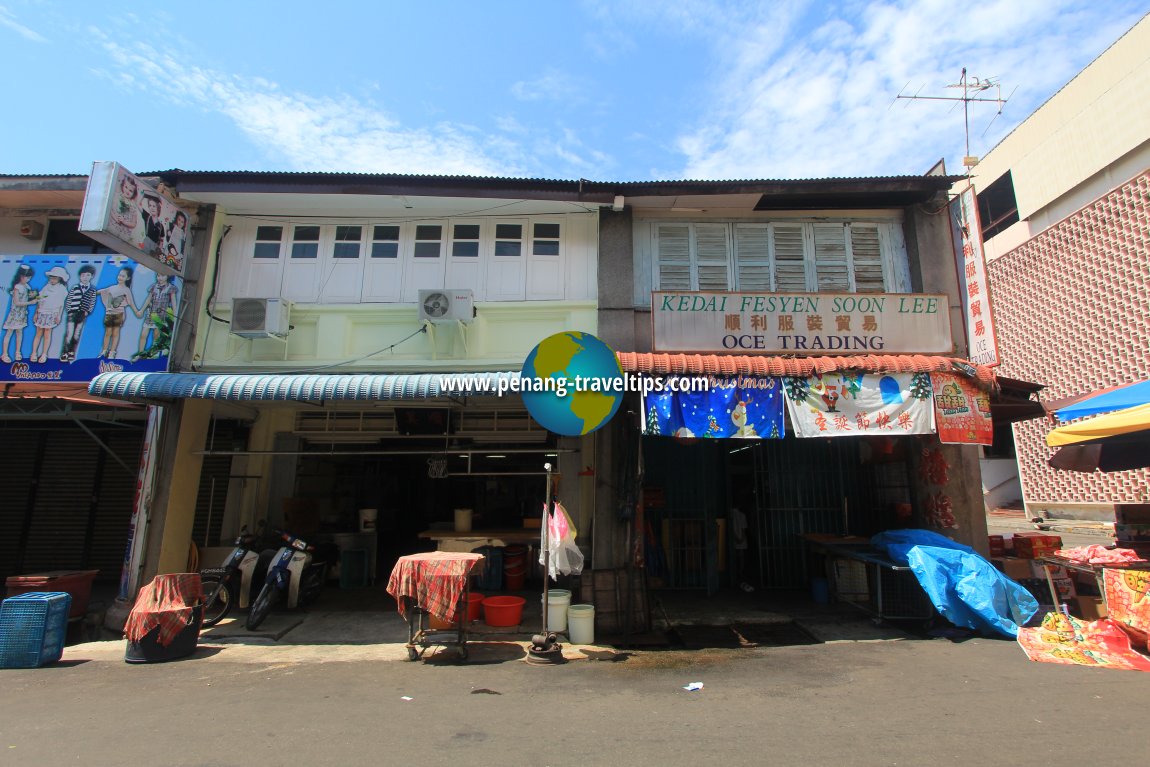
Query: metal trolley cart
[
  {"x": 435, "y": 584},
  {"x": 862, "y": 576}
]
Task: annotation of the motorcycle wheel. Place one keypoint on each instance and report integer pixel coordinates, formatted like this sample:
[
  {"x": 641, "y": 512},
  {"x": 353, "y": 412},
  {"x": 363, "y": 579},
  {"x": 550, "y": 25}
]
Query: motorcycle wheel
[
  {"x": 262, "y": 606},
  {"x": 310, "y": 587},
  {"x": 219, "y": 596}
]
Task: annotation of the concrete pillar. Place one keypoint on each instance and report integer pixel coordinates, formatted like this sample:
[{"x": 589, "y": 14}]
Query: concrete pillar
[
  {"x": 255, "y": 495},
  {"x": 179, "y": 512}
]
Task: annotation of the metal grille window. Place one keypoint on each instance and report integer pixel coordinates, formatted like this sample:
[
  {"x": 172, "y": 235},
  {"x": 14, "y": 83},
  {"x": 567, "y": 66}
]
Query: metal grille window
[
  {"x": 780, "y": 257},
  {"x": 385, "y": 242},
  {"x": 508, "y": 239},
  {"x": 428, "y": 241},
  {"x": 268, "y": 239},
  {"x": 465, "y": 241},
  {"x": 305, "y": 242},
  {"x": 545, "y": 240},
  {"x": 347, "y": 241}
]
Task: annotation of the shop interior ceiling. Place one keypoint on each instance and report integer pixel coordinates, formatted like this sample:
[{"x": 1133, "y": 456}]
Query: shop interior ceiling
[{"x": 482, "y": 437}]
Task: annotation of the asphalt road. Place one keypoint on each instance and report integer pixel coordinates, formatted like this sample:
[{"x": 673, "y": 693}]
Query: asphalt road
[{"x": 850, "y": 703}]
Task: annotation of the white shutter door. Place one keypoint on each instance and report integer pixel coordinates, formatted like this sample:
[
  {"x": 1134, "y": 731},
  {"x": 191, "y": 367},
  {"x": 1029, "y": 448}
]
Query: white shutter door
[
  {"x": 753, "y": 258},
  {"x": 831, "y": 258},
  {"x": 866, "y": 257},
  {"x": 712, "y": 256},
  {"x": 383, "y": 262},
  {"x": 673, "y": 257},
  {"x": 790, "y": 265}
]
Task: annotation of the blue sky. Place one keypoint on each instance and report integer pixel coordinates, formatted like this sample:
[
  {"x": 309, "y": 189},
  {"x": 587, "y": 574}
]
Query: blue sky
[{"x": 623, "y": 90}]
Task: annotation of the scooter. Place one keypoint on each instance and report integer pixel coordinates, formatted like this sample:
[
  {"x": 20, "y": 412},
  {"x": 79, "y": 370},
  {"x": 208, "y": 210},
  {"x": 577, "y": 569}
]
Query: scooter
[
  {"x": 294, "y": 577},
  {"x": 231, "y": 584}
]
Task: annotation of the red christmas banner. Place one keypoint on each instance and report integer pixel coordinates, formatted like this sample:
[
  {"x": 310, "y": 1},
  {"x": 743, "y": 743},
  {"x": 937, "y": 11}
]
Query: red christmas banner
[{"x": 961, "y": 411}]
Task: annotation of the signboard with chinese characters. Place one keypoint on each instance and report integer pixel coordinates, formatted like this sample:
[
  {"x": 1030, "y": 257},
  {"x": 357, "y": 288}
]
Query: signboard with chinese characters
[
  {"x": 135, "y": 220},
  {"x": 860, "y": 404},
  {"x": 801, "y": 323},
  {"x": 961, "y": 411},
  {"x": 974, "y": 286},
  {"x": 69, "y": 317}
]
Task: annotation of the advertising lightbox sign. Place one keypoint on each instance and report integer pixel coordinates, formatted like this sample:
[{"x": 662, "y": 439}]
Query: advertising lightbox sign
[
  {"x": 134, "y": 219},
  {"x": 69, "y": 317}
]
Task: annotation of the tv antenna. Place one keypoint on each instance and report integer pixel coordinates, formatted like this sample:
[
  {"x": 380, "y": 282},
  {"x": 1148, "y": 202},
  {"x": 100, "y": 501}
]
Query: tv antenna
[{"x": 972, "y": 90}]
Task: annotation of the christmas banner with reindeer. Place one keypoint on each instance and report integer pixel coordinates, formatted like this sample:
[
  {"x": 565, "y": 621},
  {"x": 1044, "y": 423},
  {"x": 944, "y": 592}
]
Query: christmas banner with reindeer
[
  {"x": 860, "y": 404},
  {"x": 737, "y": 408}
]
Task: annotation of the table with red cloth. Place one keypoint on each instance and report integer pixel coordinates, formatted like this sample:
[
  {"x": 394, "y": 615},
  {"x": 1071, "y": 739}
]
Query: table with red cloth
[
  {"x": 168, "y": 602},
  {"x": 435, "y": 581}
]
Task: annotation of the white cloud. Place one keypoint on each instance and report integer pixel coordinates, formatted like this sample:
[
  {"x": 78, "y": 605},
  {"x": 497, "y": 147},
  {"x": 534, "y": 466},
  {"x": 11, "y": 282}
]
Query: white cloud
[
  {"x": 823, "y": 106},
  {"x": 7, "y": 19},
  {"x": 551, "y": 86},
  {"x": 311, "y": 133},
  {"x": 325, "y": 133}
]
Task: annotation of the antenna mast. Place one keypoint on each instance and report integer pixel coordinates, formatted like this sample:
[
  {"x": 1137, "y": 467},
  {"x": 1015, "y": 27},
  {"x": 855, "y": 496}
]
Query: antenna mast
[{"x": 971, "y": 88}]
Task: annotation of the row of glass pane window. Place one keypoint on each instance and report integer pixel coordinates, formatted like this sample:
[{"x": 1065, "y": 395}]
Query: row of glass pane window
[{"x": 428, "y": 241}]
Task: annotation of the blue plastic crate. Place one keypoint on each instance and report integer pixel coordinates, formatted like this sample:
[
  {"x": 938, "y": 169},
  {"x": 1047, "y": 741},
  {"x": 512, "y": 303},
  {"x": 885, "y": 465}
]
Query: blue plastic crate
[{"x": 32, "y": 628}]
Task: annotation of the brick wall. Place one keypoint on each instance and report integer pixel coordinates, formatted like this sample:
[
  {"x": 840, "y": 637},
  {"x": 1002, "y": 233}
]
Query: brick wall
[{"x": 1072, "y": 306}]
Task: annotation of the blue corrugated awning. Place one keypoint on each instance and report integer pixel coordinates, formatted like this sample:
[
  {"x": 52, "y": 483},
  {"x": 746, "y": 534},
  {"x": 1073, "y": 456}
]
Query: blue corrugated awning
[{"x": 265, "y": 387}]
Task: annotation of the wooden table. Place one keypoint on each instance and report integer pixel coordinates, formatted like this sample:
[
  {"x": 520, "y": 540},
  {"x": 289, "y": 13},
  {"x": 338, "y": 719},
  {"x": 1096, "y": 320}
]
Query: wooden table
[{"x": 452, "y": 540}]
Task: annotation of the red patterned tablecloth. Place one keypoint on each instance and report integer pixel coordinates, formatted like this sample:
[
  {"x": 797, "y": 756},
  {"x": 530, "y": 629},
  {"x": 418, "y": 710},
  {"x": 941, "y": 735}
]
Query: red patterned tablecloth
[
  {"x": 435, "y": 580},
  {"x": 168, "y": 602}
]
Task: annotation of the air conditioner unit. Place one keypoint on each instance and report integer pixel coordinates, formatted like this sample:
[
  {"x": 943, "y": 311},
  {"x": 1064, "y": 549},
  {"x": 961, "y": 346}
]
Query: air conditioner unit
[
  {"x": 446, "y": 305},
  {"x": 260, "y": 317}
]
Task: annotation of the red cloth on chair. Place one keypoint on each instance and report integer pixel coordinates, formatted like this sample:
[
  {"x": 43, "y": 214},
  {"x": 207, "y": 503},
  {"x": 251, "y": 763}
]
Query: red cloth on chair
[
  {"x": 435, "y": 581},
  {"x": 168, "y": 602}
]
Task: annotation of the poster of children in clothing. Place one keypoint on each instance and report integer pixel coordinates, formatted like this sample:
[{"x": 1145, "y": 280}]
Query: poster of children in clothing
[
  {"x": 136, "y": 215},
  {"x": 68, "y": 318}
]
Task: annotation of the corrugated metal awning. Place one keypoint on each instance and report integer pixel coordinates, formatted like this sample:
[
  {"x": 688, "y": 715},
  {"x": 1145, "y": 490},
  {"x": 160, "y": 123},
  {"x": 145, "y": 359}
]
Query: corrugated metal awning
[{"x": 298, "y": 387}]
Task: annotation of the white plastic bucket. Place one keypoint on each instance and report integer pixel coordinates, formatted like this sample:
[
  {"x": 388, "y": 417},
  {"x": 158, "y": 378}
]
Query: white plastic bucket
[
  {"x": 367, "y": 520},
  {"x": 581, "y": 624},
  {"x": 462, "y": 520},
  {"x": 557, "y": 602}
]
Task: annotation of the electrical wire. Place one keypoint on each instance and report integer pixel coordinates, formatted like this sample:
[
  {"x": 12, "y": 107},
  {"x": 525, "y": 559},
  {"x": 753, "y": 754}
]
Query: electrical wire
[{"x": 422, "y": 329}]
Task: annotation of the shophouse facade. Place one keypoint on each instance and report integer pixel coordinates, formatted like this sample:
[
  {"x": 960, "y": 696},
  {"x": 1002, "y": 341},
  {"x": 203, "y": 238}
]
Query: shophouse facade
[
  {"x": 669, "y": 499},
  {"x": 333, "y": 306},
  {"x": 1064, "y": 205},
  {"x": 72, "y": 460}
]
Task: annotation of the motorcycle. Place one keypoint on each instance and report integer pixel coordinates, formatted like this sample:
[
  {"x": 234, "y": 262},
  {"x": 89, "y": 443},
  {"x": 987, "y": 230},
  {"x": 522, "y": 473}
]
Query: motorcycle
[
  {"x": 231, "y": 584},
  {"x": 295, "y": 576}
]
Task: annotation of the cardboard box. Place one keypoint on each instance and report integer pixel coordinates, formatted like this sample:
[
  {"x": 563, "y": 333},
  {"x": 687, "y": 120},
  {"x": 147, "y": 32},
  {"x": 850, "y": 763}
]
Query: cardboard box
[
  {"x": 1132, "y": 513},
  {"x": 1065, "y": 589},
  {"x": 1038, "y": 569},
  {"x": 1012, "y": 567},
  {"x": 1090, "y": 608},
  {"x": 1035, "y": 545}
]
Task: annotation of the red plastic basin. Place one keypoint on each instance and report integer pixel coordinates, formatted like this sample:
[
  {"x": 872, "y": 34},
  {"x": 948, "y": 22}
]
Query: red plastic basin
[
  {"x": 503, "y": 611},
  {"x": 78, "y": 583},
  {"x": 474, "y": 606}
]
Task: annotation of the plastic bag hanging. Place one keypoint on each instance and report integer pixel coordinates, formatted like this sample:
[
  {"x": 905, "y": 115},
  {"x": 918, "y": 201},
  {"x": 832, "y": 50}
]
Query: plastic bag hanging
[{"x": 562, "y": 554}]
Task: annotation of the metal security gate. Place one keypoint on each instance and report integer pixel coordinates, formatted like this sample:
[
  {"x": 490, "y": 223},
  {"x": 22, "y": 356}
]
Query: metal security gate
[
  {"x": 67, "y": 500},
  {"x": 684, "y": 490},
  {"x": 817, "y": 486}
]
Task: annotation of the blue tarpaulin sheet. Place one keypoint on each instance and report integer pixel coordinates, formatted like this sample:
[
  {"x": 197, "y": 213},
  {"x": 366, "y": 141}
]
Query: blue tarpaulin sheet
[{"x": 963, "y": 586}]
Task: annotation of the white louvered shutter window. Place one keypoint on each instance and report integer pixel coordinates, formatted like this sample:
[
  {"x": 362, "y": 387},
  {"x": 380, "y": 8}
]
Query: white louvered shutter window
[
  {"x": 866, "y": 257},
  {"x": 753, "y": 258},
  {"x": 790, "y": 265},
  {"x": 712, "y": 257},
  {"x": 831, "y": 267},
  {"x": 673, "y": 254}
]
